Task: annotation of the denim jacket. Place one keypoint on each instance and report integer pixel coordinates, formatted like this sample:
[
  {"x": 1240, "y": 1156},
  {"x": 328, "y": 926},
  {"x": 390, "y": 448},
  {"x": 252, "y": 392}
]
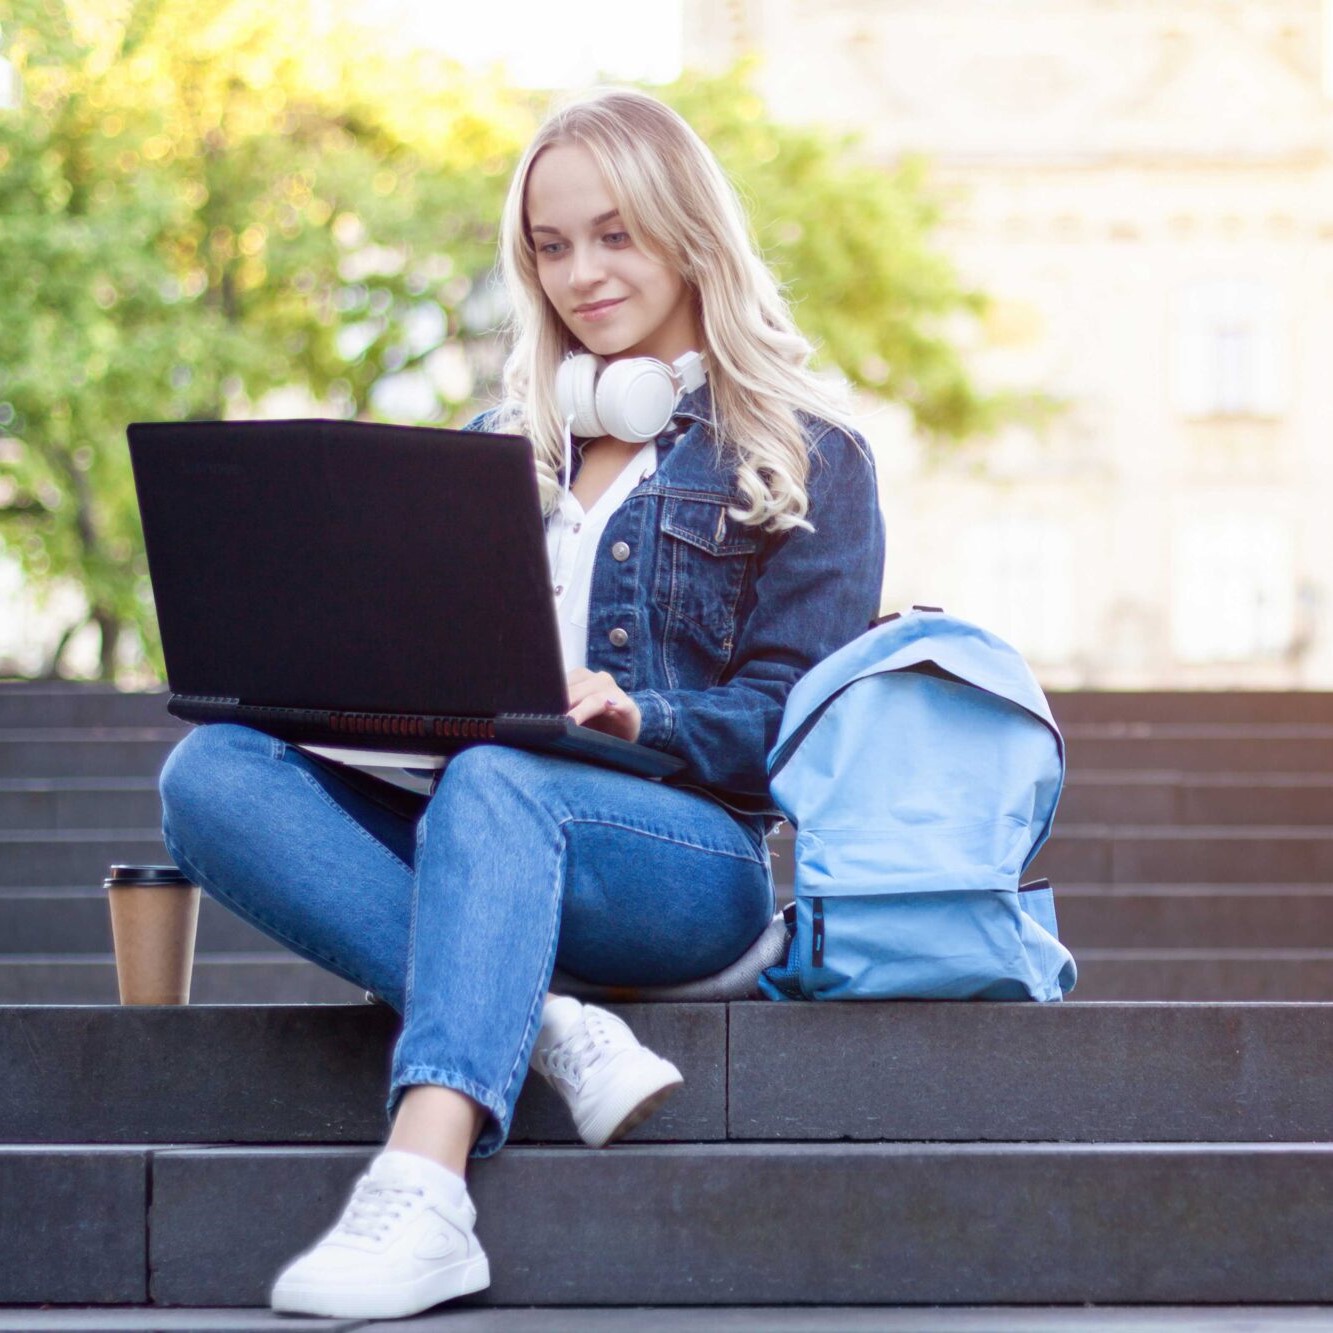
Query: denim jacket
[{"x": 707, "y": 623}]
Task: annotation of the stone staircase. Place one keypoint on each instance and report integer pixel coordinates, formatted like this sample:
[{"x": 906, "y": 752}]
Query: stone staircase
[
  {"x": 1169, "y": 1139},
  {"x": 1193, "y": 846},
  {"x": 1192, "y": 856},
  {"x": 912, "y": 1153},
  {"x": 78, "y": 792}
]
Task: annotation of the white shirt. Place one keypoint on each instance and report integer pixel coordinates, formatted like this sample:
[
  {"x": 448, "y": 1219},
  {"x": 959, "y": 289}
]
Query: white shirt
[{"x": 572, "y": 536}]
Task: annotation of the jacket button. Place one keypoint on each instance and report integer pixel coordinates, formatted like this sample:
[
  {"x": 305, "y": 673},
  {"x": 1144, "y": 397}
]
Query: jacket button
[
  {"x": 619, "y": 637},
  {"x": 620, "y": 551}
]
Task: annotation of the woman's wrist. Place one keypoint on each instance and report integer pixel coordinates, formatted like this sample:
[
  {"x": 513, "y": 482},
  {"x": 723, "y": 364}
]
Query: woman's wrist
[{"x": 656, "y": 719}]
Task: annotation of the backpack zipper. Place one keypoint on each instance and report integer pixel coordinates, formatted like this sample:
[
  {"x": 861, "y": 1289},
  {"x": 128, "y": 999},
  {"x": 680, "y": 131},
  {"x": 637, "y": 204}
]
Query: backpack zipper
[{"x": 817, "y": 940}]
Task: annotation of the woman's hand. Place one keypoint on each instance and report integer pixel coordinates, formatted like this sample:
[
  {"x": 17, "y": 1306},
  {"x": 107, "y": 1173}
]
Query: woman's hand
[{"x": 595, "y": 700}]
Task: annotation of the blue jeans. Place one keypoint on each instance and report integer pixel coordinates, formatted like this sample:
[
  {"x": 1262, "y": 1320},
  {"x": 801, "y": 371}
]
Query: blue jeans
[{"x": 519, "y": 862}]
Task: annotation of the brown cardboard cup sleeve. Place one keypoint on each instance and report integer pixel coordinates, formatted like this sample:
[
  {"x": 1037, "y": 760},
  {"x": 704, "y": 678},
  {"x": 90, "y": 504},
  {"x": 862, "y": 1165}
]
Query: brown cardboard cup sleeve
[{"x": 154, "y": 914}]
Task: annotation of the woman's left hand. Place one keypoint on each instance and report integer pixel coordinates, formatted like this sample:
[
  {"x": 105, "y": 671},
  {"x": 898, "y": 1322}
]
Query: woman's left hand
[{"x": 595, "y": 700}]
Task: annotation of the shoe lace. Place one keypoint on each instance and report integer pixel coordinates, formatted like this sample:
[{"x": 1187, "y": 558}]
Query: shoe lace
[
  {"x": 375, "y": 1206},
  {"x": 592, "y": 1042}
]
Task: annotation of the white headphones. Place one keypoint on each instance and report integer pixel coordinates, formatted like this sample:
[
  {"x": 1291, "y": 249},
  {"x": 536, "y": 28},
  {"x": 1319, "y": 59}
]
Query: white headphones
[{"x": 631, "y": 400}]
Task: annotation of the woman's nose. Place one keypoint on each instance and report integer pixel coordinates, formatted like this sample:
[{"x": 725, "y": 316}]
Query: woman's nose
[{"x": 586, "y": 268}]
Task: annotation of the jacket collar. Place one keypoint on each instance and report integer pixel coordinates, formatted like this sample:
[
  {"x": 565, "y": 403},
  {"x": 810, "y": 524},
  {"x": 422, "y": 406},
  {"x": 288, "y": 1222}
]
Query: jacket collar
[{"x": 697, "y": 405}]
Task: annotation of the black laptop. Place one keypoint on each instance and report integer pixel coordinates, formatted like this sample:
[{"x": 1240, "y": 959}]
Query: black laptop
[{"x": 359, "y": 586}]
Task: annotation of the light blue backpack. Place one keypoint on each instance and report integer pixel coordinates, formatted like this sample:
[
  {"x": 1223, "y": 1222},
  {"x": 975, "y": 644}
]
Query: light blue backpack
[{"x": 920, "y": 766}]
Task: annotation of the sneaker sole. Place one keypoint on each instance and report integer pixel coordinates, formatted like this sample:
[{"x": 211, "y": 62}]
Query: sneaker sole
[
  {"x": 394, "y": 1302},
  {"x": 640, "y": 1113},
  {"x": 615, "y": 1118}
]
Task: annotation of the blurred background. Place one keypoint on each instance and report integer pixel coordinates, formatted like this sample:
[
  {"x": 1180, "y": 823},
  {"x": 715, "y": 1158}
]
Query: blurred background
[{"x": 1076, "y": 257}]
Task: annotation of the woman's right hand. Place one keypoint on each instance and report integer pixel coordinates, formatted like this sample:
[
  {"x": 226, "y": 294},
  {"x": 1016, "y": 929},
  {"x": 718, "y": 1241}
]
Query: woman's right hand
[{"x": 595, "y": 700}]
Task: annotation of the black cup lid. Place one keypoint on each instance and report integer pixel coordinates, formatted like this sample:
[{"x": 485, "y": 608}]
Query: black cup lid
[{"x": 167, "y": 876}]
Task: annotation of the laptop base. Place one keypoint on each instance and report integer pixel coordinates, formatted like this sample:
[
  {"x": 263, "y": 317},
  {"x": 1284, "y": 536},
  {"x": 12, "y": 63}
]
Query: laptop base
[{"x": 427, "y": 734}]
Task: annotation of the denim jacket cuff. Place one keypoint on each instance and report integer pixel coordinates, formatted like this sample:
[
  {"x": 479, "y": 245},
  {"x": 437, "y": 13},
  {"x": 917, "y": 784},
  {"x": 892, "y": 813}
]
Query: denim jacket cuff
[{"x": 657, "y": 723}]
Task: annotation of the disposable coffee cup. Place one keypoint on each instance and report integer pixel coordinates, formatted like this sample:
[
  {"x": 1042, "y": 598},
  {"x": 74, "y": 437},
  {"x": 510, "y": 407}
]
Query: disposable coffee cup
[{"x": 154, "y": 914}]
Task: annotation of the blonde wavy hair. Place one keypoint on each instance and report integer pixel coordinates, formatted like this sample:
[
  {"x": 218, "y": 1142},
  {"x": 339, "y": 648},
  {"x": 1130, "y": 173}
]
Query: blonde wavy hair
[{"x": 677, "y": 204}]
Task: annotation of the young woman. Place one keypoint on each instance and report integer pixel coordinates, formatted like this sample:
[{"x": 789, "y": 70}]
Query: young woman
[{"x": 702, "y": 561}]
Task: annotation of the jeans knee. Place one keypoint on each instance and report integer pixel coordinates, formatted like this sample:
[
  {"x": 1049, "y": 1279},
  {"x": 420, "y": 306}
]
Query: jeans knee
[
  {"x": 486, "y": 771},
  {"x": 202, "y": 766},
  {"x": 480, "y": 763},
  {"x": 492, "y": 800}
]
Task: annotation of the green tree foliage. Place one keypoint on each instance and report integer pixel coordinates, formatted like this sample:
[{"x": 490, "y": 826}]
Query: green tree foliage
[
  {"x": 201, "y": 204},
  {"x": 196, "y": 210}
]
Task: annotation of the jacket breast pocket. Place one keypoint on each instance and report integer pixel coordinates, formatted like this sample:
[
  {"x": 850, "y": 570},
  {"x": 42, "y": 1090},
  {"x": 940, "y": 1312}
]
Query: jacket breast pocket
[{"x": 704, "y": 559}]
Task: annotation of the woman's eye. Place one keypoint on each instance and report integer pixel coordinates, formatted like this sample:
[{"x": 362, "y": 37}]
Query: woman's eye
[
  {"x": 616, "y": 238},
  {"x": 550, "y": 248}
]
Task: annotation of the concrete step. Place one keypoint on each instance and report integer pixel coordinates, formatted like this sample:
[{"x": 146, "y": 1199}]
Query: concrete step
[
  {"x": 1164, "y": 854},
  {"x": 1155, "y": 853},
  {"x": 1196, "y": 798},
  {"x": 707, "y": 1224},
  {"x": 74, "y": 856},
  {"x": 1204, "y": 974},
  {"x": 1199, "y": 916},
  {"x": 1104, "y": 974},
  {"x": 64, "y": 921},
  {"x": 221, "y": 978},
  {"x": 309, "y": 1073},
  {"x": 698, "y": 1319},
  {"x": 1292, "y": 707},
  {"x": 1089, "y": 798},
  {"x": 1200, "y": 747},
  {"x": 55, "y": 920},
  {"x": 265, "y": 977},
  {"x": 1076, "y": 853},
  {"x": 753, "y": 1071},
  {"x": 894, "y": 1223},
  {"x": 79, "y": 803},
  {"x": 80, "y": 704},
  {"x": 52, "y": 752}
]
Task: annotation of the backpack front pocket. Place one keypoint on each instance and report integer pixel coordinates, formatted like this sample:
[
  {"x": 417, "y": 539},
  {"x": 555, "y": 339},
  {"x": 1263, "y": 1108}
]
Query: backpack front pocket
[{"x": 869, "y": 922}]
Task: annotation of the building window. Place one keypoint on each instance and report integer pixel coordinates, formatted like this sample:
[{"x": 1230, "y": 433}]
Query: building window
[
  {"x": 1233, "y": 589},
  {"x": 1018, "y": 581},
  {"x": 1228, "y": 350}
]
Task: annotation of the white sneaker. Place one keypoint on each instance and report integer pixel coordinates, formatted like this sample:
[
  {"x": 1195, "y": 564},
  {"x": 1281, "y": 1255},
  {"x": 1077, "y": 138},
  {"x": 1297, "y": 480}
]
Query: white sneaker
[
  {"x": 608, "y": 1080},
  {"x": 402, "y": 1245}
]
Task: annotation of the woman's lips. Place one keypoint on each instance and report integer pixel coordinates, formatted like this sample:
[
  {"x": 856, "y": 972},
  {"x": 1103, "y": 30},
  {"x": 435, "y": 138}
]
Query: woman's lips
[{"x": 596, "y": 310}]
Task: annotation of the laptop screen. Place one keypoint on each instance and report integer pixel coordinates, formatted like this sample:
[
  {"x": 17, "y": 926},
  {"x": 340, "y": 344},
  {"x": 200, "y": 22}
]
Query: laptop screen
[{"x": 349, "y": 565}]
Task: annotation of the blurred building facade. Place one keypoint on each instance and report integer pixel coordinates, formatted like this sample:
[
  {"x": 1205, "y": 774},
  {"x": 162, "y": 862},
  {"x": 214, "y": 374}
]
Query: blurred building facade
[{"x": 1146, "y": 191}]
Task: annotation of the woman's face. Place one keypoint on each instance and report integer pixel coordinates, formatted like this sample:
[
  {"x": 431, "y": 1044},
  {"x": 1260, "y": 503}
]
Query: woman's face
[{"x": 613, "y": 297}]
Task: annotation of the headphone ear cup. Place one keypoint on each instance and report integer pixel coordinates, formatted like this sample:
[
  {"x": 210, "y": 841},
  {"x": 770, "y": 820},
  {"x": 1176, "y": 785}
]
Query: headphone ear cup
[
  {"x": 576, "y": 394},
  {"x": 635, "y": 399}
]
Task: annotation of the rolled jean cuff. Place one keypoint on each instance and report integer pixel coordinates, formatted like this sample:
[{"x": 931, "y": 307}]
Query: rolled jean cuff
[{"x": 494, "y": 1131}]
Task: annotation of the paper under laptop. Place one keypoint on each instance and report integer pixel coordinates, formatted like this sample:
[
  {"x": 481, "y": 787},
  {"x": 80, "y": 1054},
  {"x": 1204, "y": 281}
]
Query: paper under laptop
[{"x": 363, "y": 587}]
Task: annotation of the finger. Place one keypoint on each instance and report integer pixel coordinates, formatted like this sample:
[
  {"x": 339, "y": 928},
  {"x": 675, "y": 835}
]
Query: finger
[
  {"x": 600, "y": 683},
  {"x": 593, "y": 705},
  {"x": 585, "y": 689}
]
